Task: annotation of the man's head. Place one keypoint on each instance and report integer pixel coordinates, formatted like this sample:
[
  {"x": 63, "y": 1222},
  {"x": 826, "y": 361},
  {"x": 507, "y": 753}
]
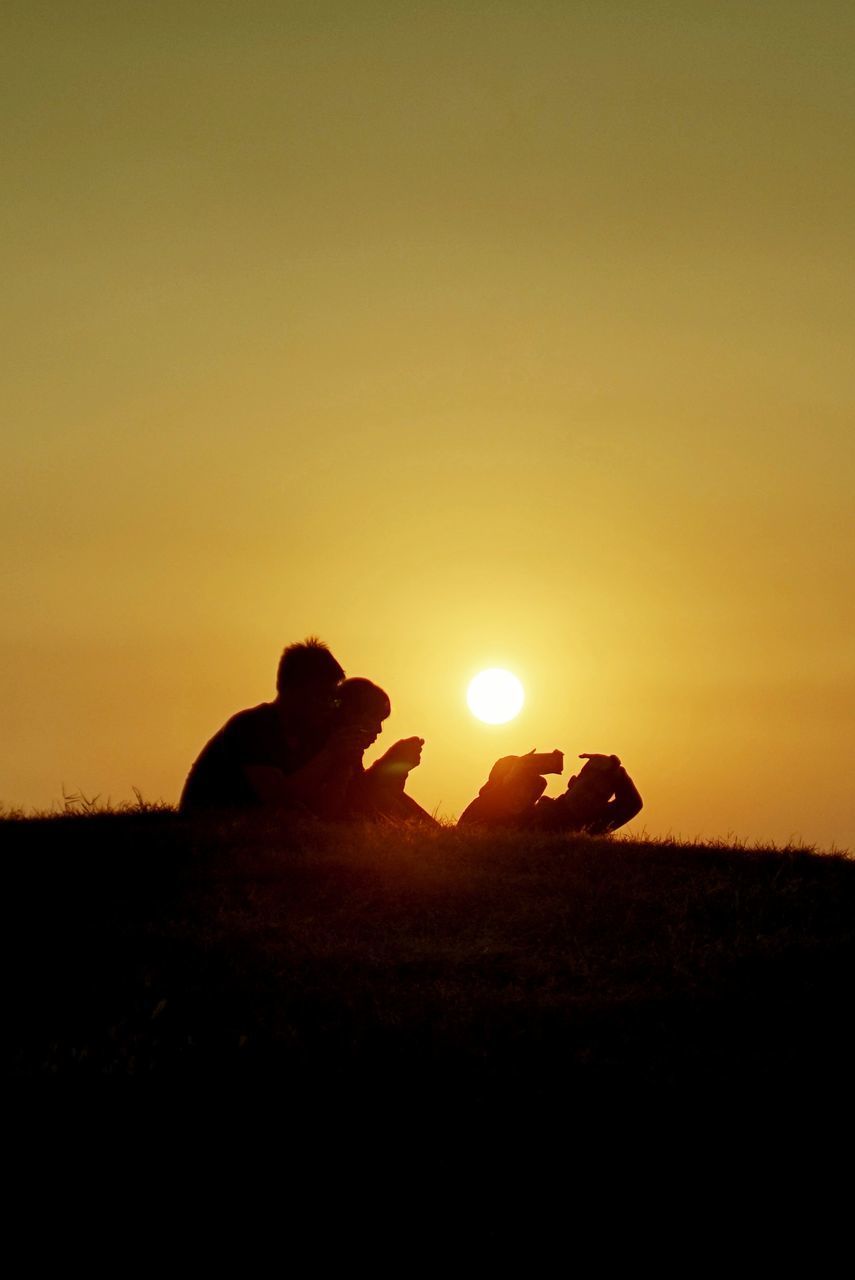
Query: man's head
[
  {"x": 362, "y": 705},
  {"x": 306, "y": 683},
  {"x": 517, "y": 780}
]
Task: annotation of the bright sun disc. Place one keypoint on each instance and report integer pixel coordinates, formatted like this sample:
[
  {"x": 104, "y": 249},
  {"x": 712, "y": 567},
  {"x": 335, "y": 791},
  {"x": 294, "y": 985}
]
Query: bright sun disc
[{"x": 495, "y": 696}]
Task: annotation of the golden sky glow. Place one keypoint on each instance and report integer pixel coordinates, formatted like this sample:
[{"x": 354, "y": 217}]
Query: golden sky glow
[{"x": 474, "y": 335}]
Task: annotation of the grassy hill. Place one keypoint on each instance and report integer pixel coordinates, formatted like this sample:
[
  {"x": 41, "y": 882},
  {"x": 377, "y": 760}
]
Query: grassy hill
[{"x": 379, "y": 962}]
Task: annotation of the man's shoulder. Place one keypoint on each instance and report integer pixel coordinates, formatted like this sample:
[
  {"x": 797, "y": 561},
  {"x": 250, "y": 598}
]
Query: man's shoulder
[
  {"x": 216, "y": 779},
  {"x": 263, "y": 714},
  {"x": 254, "y": 723}
]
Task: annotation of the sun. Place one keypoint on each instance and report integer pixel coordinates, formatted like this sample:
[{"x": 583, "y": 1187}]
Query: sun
[{"x": 495, "y": 696}]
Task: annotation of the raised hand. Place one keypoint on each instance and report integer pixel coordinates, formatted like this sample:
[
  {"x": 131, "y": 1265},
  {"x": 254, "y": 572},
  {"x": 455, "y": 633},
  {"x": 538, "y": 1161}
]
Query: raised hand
[
  {"x": 406, "y": 753},
  {"x": 600, "y": 761}
]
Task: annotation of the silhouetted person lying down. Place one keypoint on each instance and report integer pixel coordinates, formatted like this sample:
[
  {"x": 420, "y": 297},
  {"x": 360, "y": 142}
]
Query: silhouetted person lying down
[
  {"x": 600, "y": 799},
  {"x": 376, "y": 792},
  {"x": 279, "y": 753}
]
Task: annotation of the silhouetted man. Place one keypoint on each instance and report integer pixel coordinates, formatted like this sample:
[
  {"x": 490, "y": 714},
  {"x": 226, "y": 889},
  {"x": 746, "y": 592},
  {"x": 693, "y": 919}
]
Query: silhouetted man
[
  {"x": 280, "y": 753},
  {"x": 600, "y": 799}
]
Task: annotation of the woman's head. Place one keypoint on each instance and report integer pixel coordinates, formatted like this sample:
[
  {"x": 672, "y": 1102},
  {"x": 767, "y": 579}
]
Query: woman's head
[{"x": 362, "y": 705}]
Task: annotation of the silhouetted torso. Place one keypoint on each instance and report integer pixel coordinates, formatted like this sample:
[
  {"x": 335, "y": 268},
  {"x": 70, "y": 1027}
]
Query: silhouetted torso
[{"x": 254, "y": 737}]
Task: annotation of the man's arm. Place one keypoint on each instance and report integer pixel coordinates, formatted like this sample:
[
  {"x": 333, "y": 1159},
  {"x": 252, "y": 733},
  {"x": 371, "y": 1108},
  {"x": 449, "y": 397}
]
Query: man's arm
[
  {"x": 320, "y": 785},
  {"x": 626, "y": 804}
]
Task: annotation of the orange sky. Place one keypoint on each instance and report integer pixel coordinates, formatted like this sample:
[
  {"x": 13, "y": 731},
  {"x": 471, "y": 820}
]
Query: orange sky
[{"x": 483, "y": 334}]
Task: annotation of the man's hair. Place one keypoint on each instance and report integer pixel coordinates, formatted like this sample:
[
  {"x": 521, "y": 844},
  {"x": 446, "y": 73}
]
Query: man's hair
[
  {"x": 360, "y": 701},
  {"x": 306, "y": 662}
]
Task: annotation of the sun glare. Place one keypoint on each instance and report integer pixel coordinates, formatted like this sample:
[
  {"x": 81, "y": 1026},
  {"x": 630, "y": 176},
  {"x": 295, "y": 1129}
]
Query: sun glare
[{"x": 495, "y": 696}]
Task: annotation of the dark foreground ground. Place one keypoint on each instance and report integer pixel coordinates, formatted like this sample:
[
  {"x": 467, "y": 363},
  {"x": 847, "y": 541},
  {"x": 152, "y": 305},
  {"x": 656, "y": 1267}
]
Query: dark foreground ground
[{"x": 423, "y": 966}]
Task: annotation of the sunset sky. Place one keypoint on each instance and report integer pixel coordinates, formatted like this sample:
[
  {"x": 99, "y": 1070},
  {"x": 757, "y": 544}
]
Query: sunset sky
[{"x": 462, "y": 335}]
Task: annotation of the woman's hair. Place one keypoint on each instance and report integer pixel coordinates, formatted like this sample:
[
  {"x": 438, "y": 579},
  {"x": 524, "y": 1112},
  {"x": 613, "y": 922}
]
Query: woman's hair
[{"x": 360, "y": 701}]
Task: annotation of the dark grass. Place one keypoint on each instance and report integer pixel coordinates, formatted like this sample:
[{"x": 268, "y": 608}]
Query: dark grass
[{"x": 416, "y": 967}]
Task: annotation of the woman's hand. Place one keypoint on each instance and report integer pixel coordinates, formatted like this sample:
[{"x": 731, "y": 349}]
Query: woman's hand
[{"x": 406, "y": 752}]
